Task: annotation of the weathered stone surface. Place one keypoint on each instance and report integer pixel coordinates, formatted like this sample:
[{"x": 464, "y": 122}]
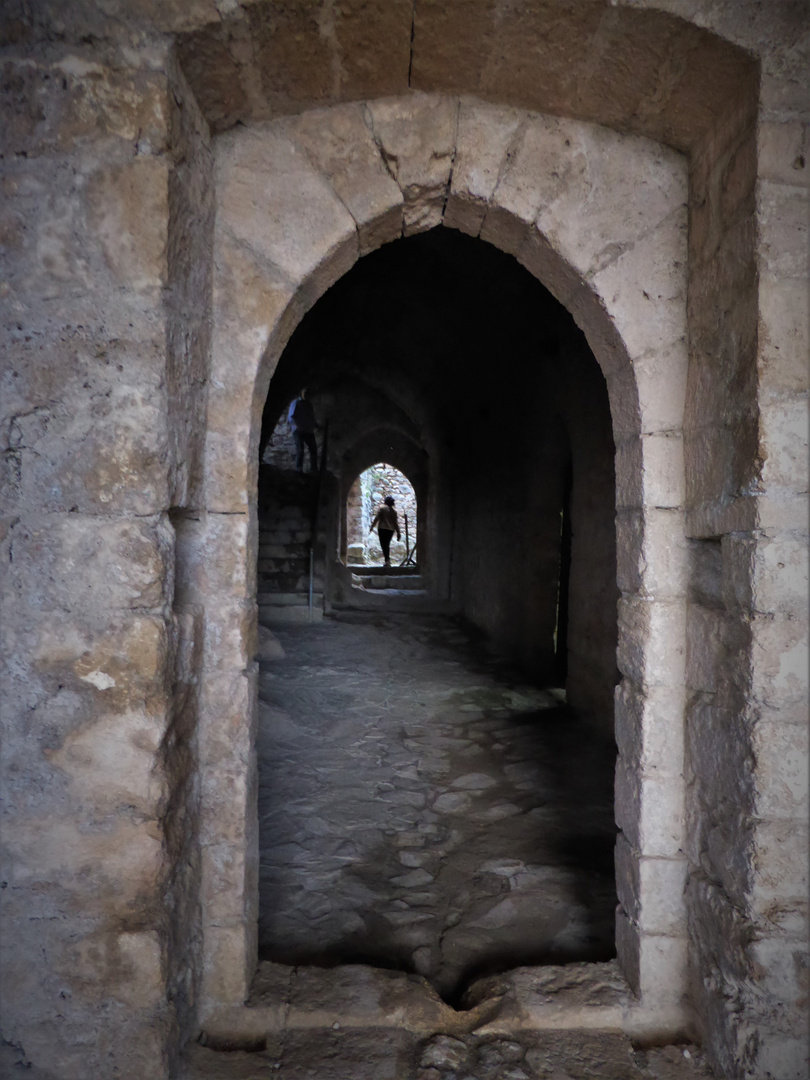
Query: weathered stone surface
[
  {"x": 484, "y": 137},
  {"x": 651, "y": 890},
  {"x": 416, "y": 137},
  {"x": 783, "y": 431},
  {"x": 106, "y": 400},
  {"x": 652, "y": 554},
  {"x": 589, "y": 171},
  {"x": 75, "y": 563},
  {"x": 626, "y": 285},
  {"x": 784, "y": 338},
  {"x": 308, "y": 224},
  {"x": 289, "y": 59},
  {"x": 341, "y": 145},
  {"x": 652, "y": 646},
  {"x": 649, "y": 728},
  {"x": 649, "y": 811},
  {"x": 127, "y": 210},
  {"x": 784, "y": 214},
  {"x": 105, "y": 868},
  {"x": 256, "y": 310},
  {"x": 538, "y": 169},
  {"x": 120, "y": 429},
  {"x": 221, "y": 559},
  {"x": 75, "y": 99},
  {"x": 781, "y": 752},
  {"x": 780, "y": 892},
  {"x": 114, "y": 757},
  {"x": 782, "y": 150},
  {"x": 778, "y": 680},
  {"x": 661, "y": 379},
  {"x": 190, "y": 269}
]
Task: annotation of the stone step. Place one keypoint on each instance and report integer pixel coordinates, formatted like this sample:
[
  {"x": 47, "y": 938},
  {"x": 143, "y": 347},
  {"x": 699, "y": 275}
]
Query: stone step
[
  {"x": 282, "y": 609},
  {"x": 281, "y": 598},
  {"x": 299, "y": 548},
  {"x": 283, "y": 566},
  {"x": 288, "y": 585},
  {"x": 301, "y": 543},
  {"x": 286, "y": 567},
  {"x": 382, "y": 581}
]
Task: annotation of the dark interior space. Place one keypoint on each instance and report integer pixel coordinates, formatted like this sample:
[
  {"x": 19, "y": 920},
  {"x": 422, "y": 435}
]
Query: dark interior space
[
  {"x": 442, "y": 356},
  {"x": 423, "y": 807}
]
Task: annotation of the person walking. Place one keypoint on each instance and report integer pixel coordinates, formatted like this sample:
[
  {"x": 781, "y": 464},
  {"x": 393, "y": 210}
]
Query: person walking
[
  {"x": 386, "y": 516},
  {"x": 301, "y": 418}
]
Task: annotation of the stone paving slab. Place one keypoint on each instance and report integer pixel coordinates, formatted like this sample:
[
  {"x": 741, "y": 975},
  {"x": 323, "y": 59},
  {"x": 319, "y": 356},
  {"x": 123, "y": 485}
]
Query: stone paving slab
[{"x": 421, "y": 806}]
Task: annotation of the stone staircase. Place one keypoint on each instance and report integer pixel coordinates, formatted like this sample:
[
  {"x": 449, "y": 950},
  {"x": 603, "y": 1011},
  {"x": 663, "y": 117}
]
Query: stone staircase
[
  {"x": 394, "y": 580},
  {"x": 286, "y": 503}
]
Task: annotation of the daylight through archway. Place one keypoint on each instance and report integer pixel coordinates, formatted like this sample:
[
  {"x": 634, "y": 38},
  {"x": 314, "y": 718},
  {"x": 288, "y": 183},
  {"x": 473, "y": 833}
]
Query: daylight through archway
[
  {"x": 425, "y": 800},
  {"x": 601, "y": 286},
  {"x": 366, "y": 497}
]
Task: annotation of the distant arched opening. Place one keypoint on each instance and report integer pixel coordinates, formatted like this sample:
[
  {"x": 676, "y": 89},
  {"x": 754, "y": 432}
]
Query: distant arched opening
[{"x": 365, "y": 498}]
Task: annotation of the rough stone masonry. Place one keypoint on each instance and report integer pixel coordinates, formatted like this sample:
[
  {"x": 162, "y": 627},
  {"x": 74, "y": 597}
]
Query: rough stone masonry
[{"x": 181, "y": 183}]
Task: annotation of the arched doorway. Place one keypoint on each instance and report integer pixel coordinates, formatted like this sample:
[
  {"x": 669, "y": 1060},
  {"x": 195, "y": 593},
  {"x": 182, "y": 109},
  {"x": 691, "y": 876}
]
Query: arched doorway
[
  {"x": 491, "y": 375},
  {"x": 368, "y": 492},
  {"x": 602, "y": 286}
]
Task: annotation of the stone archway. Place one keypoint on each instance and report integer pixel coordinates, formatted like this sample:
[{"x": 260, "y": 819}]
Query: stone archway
[
  {"x": 600, "y": 219},
  {"x": 401, "y": 453}
]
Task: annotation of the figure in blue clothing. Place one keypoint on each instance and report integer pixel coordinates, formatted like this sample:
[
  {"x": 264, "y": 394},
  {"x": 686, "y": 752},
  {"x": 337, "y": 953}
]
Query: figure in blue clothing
[{"x": 301, "y": 419}]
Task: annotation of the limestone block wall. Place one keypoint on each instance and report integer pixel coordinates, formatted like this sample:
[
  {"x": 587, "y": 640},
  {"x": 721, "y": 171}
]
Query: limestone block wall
[
  {"x": 747, "y": 737},
  {"x": 646, "y": 398},
  {"x": 91, "y": 467},
  {"x": 104, "y": 324},
  {"x": 345, "y": 180}
]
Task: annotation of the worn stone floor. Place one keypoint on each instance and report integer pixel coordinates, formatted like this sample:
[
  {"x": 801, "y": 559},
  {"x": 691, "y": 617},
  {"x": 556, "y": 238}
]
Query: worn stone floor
[
  {"x": 391, "y": 1054},
  {"x": 422, "y": 807}
]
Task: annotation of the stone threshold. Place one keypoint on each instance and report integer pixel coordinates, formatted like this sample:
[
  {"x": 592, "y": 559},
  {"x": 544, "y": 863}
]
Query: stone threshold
[{"x": 584, "y": 996}]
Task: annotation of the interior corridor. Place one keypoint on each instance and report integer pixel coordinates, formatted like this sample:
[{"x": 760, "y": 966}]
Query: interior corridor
[{"x": 423, "y": 807}]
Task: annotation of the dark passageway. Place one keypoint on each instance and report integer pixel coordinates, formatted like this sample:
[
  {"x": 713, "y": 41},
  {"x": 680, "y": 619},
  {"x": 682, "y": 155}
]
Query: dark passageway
[{"x": 423, "y": 806}]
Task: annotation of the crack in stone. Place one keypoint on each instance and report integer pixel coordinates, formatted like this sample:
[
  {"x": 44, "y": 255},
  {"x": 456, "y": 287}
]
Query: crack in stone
[
  {"x": 617, "y": 250},
  {"x": 512, "y": 148},
  {"x": 386, "y": 158},
  {"x": 410, "y": 55},
  {"x": 305, "y": 151},
  {"x": 261, "y": 259},
  {"x": 449, "y": 185}
]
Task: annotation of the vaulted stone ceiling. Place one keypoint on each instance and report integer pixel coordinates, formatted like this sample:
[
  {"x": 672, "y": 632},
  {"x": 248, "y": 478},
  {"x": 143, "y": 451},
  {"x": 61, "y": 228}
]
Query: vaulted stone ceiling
[
  {"x": 641, "y": 71},
  {"x": 443, "y": 324}
]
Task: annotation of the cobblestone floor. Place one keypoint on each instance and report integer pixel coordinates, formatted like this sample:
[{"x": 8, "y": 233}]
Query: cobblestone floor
[{"x": 422, "y": 807}]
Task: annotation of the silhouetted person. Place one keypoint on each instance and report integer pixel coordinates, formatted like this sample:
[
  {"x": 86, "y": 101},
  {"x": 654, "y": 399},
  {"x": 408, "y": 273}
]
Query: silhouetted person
[
  {"x": 301, "y": 419},
  {"x": 388, "y": 525}
]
